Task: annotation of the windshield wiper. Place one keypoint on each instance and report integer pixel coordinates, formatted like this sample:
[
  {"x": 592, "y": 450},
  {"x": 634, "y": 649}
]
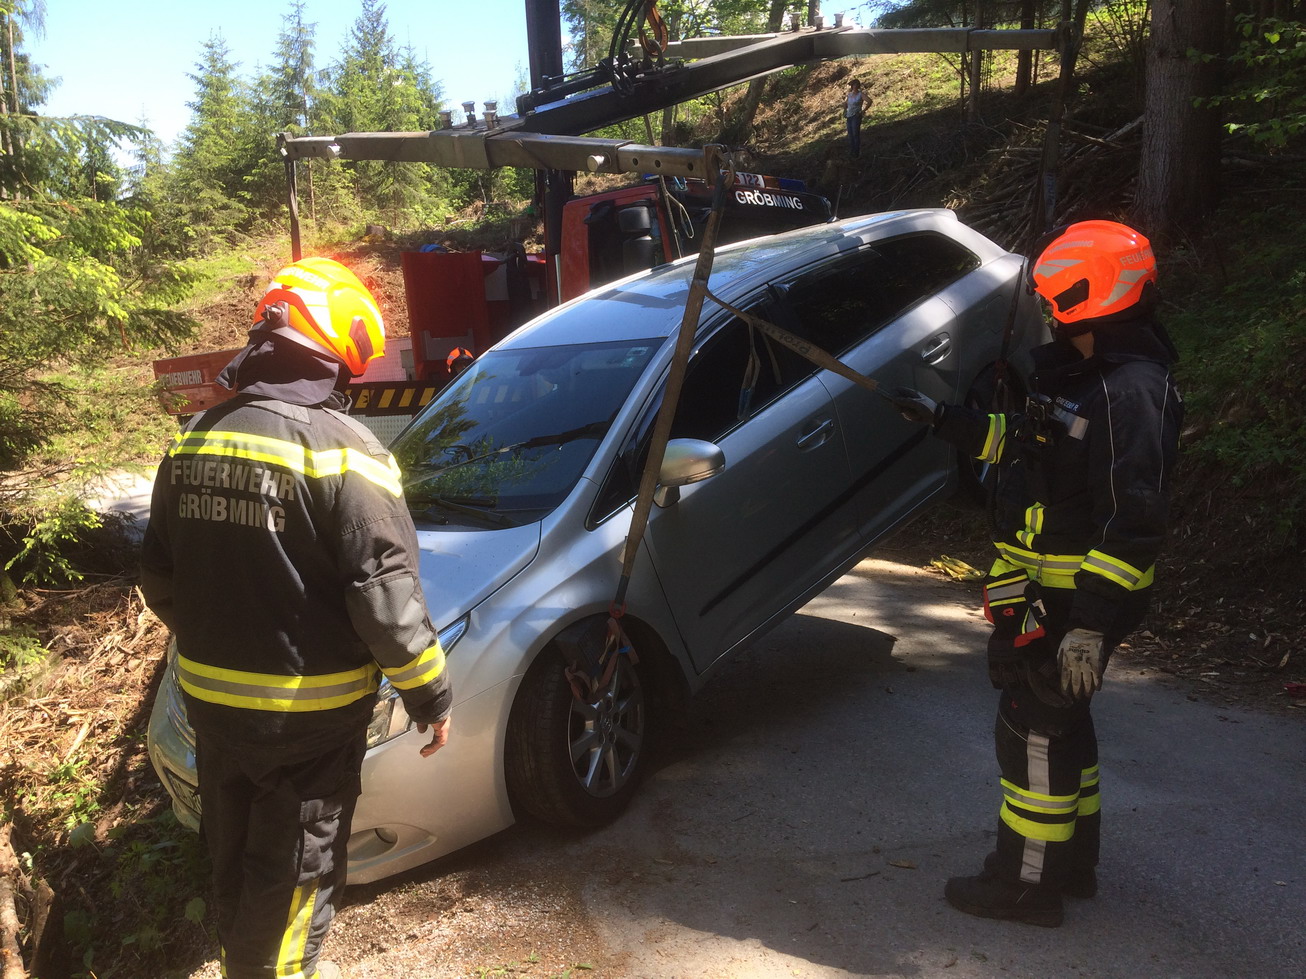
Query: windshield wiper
[
  {"x": 593, "y": 429},
  {"x": 478, "y": 508}
]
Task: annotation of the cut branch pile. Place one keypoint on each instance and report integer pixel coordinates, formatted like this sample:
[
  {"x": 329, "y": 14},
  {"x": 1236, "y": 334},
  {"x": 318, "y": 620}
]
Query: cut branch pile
[
  {"x": 1096, "y": 178},
  {"x": 71, "y": 758}
]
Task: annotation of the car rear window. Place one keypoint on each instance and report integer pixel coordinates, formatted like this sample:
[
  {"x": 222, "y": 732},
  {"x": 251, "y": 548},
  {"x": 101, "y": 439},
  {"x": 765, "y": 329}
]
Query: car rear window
[{"x": 839, "y": 305}]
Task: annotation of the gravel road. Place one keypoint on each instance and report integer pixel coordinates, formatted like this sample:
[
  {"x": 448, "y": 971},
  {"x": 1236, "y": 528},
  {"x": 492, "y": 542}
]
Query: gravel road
[{"x": 809, "y": 807}]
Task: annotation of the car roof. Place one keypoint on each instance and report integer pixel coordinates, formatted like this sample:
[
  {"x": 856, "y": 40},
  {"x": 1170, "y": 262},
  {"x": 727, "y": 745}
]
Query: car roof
[{"x": 650, "y": 304}]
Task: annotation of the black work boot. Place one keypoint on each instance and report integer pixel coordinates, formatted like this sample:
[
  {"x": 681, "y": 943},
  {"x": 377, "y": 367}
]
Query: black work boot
[
  {"x": 1080, "y": 884},
  {"x": 987, "y": 896}
]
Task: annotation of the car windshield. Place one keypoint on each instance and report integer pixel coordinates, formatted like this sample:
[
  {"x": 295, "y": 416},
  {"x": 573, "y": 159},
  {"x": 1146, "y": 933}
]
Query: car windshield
[{"x": 516, "y": 429}]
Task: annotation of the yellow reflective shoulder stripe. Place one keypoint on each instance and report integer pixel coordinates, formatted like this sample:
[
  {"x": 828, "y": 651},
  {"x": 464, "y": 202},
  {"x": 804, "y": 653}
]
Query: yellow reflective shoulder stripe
[
  {"x": 268, "y": 691},
  {"x": 993, "y": 441},
  {"x": 315, "y": 465},
  {"x": 423, "y": 669},
  {"x": 1113, "y": 569}
]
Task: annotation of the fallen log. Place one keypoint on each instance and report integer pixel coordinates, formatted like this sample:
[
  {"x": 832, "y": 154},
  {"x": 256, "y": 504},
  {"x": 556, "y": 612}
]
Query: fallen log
[{"x": 11, "y": 953}]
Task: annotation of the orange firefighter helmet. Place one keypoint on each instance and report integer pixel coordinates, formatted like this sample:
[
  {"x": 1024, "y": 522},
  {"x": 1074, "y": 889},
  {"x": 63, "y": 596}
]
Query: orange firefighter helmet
[{"x": 326, "y": 308}]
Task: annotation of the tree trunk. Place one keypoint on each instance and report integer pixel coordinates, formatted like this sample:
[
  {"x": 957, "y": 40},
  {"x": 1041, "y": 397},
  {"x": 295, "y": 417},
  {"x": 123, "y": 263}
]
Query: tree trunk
[
  {"x": 1025, "y": 59},
  {"x": 1179, "y": 170},
  {"x": 5, "y": 147},
  {"x": 668, "y": 127},
  {"x": 11, "y": 956},
  {"x": 13, "y": 67}
]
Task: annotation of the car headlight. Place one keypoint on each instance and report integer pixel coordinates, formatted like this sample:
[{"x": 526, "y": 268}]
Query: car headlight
[{"x": 389, "y": 719}]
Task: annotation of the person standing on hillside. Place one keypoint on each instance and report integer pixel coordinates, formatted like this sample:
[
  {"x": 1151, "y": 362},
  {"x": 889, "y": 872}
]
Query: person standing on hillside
[
  {"x": 282, "y": 556},
  {"x": 1081, "y": 510},
  {"x": 853, "y": 108}
]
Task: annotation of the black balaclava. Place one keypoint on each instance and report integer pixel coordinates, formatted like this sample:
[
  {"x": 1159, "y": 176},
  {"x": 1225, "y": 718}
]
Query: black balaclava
[{"x": 275, "y": 366}]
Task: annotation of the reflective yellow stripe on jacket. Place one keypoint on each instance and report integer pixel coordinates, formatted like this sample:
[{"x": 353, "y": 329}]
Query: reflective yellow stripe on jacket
[
  {"x": 423, "y": 669},
  {"x": 1113, "y": 569},
  {"x": 266, "y": 691},
  {"x": 994, "y": 439},
  {"x": 278, "y": 452},
  {"x": 1050, "y": 570},
  {"x": 1058, "y": 570}
]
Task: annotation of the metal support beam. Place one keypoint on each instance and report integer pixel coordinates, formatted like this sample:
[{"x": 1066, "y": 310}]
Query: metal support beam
[
  {"x": 479, "y": 149},
  {"x": 545, "y": 138},
  {"x": 842, "y": 42}
]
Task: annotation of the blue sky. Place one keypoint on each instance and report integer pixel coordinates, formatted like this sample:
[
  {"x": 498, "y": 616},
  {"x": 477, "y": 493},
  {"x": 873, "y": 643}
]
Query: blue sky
[{"x": 129, "y": 60}]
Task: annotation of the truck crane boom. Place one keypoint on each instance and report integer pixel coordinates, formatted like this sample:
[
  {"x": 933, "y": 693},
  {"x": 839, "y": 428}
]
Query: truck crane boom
[{"x": 545, "y": 134}]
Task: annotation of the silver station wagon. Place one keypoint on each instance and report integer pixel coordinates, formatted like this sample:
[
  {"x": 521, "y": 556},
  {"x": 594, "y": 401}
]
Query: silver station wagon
[{"x": 779, "y": 478}]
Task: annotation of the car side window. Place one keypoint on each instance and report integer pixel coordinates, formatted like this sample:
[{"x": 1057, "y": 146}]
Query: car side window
[
  {"x": 734, "y": 374},
  {"x": 839, "y": 305}
]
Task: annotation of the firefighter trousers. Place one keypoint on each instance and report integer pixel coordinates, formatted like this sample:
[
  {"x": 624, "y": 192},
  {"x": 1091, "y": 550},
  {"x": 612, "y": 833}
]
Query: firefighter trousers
[
  {"x": 1050, "y": 820},
  {"x": 276, "y": 824}
]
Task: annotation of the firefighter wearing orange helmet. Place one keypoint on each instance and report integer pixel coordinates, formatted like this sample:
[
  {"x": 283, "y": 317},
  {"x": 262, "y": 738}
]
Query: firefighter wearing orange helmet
[
  {"x": 282, "y": 556},
  {"x": 1080, "y": 511}
]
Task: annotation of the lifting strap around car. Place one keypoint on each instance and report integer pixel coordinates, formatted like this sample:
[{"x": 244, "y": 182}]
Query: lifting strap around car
[
  {"x": 804, "y": 348},
  {"x": 587, "y": 673}
]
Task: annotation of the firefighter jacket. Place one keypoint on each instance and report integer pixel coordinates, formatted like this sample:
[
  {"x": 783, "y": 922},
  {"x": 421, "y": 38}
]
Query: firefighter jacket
[
  {"x": 281, "y": 554},
  {"x": 1081, "y": 495}
]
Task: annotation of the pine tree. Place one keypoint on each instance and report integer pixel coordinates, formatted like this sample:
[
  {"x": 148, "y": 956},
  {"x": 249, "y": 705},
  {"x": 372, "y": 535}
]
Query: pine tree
[
  {"x": 213, "y": 159},
  {"x": 375, "y": 87},
  {"x": 78, "y": 282}
]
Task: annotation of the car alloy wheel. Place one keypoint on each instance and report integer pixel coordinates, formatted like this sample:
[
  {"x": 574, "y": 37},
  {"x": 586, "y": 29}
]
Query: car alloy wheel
[
  {"x": 576, "y": 762},
  {"x": 605, "y": 732}
]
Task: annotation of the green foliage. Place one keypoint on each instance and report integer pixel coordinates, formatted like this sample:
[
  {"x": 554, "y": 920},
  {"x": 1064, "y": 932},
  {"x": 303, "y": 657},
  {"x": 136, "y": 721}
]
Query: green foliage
[
  {"x": 1242, "y": 343},
  {"x": 51, "y": 532},
  {"x": 20, "y": 648},
  {"x": 77, "y": 285},
  {"x": 73, "y": 794},
  {"x": 156, "y": 872},
  {"x": 1267, "y": 99}
]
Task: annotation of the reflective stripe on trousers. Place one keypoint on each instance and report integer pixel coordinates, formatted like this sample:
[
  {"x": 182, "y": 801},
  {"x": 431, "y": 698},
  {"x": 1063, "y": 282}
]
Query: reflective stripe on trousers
[{"x": 1049, "y": 821}]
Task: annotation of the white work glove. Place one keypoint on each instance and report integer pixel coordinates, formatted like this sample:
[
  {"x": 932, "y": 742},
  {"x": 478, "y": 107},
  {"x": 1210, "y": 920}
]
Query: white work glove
[{"x": 1080, "y": 659}]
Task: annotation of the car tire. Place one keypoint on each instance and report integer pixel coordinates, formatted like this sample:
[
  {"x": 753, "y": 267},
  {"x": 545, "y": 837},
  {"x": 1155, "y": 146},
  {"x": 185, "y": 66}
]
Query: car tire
[
  {"x": 572, "y": 763},
  {"x": 974, "y": 474}
]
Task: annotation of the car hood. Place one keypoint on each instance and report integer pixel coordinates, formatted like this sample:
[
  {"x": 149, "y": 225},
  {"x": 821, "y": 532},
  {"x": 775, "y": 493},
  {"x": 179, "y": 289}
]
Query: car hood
[{"x": 462, "y": 568}]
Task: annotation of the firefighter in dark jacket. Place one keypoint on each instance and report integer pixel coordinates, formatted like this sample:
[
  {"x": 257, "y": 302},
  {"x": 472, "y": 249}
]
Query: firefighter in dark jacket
[
  {"x": 1080, "y": 515},
  {"x": 282, "y": 556}
]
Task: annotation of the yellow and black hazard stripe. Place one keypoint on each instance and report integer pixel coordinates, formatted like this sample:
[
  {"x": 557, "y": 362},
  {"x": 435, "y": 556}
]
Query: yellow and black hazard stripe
[{"x": 398, "y": 398}]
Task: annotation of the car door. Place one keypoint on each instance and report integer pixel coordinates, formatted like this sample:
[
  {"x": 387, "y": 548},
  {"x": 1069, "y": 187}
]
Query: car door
[
  {"x": 742, "y": 547},
  {"x": 878, "y": 310}
]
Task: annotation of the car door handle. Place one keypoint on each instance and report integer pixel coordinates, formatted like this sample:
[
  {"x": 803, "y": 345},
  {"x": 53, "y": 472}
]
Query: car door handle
[
  {"x": 939, "y": 348},
  {"x": 817, "y": 436}
]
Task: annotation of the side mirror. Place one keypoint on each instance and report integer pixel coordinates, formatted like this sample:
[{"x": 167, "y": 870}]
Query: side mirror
[{"x": 686, "y": 461}]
